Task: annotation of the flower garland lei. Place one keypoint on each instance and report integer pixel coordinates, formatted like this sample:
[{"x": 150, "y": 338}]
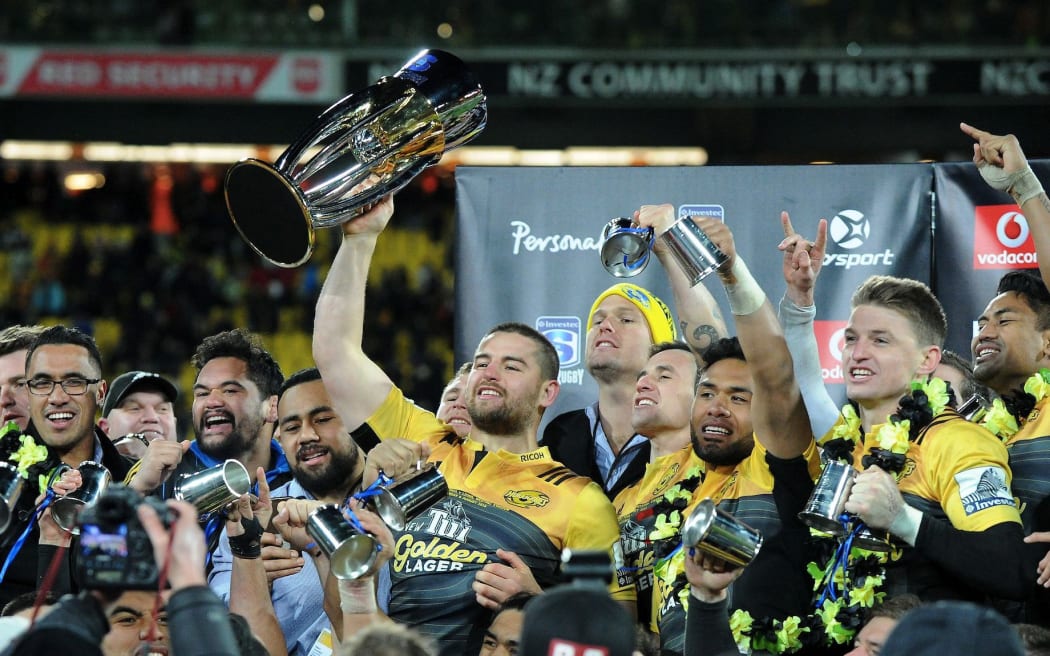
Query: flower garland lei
[
  {"x": 33, "y": 461},
  {"x": 842, "y": 593},
  {"x": 1006, "y": 415}
]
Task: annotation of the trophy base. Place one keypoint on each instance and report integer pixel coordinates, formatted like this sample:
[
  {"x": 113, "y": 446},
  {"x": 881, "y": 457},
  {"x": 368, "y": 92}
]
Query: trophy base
[{"x": 269, "y": 212}]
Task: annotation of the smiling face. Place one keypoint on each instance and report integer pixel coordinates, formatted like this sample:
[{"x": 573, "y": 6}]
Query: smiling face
[
  {"x": 64, "y": 420},
  {"x": 1008, "y": 347},
  {"x": 453, "y": 408},
  {"x": 722, "y": 432},
  {"x": 882, "y": 355},
  {"x": 143, "y": 411},
  {"x": 618, "y": 340},
  {"x": 320, "y": 452},
  {"x": 663, "y": 397},
  {"x": 505, "y": 389},
  {"x": 14, "y": 395},
  {"x": 228, "y": 410},
  {"x": 503, "y": 635}
]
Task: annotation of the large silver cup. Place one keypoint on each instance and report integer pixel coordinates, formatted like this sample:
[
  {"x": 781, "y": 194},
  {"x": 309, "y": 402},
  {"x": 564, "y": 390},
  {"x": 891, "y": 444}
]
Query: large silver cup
[
  {"x": 719, "y": 534},
  {"x": 65, "y": 510},
  {"x": 350, "y": 552},
  {"x": 365, "y": 146},
  {"x": 827, "y": 502},
  {"x": 695, "y": 253},
  {"x": 214, "y": 488},
  {"x": 872, "y": 539},
  {"x": 10, "y": 489},
  {"x": 625, "y": 247},
  {"x": 409, "y": 495},
  {"x": 974, "y": 408}
]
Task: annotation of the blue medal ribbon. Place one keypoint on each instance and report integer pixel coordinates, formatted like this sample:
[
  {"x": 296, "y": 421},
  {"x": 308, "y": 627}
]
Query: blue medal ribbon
[{"x": 17, "y": 546}]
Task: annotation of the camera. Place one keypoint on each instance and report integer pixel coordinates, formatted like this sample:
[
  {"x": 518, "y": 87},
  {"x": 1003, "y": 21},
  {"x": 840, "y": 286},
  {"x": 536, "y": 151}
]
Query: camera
[
  {"x": 591, "y": 568},
  {"x": 115, "y": 553}
]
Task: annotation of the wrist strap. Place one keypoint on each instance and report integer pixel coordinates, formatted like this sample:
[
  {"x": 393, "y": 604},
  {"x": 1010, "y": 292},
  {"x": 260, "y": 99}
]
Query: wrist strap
[
  {"x": 1024, "y": 186},
  {"x": 248, "y": 545},
  {"x": 745, "y": 295}
]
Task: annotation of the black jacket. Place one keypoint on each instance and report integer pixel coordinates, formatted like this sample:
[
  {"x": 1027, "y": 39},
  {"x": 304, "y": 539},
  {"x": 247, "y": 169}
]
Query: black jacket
[{"x": 570, "y": 438}]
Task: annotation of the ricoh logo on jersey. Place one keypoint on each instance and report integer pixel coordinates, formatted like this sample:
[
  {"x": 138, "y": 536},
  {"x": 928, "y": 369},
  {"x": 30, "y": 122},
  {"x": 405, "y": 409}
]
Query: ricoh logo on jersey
[
  {"x": 566, "y": 334},
  {"x": 830, "y": 340},
  {"x": 849, "y": 230},
  {"x": 1002, "y": 239}
]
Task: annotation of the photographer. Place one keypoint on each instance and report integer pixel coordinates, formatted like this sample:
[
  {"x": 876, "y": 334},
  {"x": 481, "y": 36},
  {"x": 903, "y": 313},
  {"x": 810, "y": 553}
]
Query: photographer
[{"x": 79, "y": 625}]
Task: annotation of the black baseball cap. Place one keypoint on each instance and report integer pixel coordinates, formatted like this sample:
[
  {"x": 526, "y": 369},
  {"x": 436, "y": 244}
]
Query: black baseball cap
[{"x": 127, "y": 383}]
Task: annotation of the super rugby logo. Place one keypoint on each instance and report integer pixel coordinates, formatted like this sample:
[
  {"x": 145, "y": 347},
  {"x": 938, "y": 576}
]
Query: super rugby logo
[
  {"x": 830, "y": 341},
  {"x": 564, "y": 334},
  {"x": 1002, "y": 239},
  {"x": 849, "y": 230}
]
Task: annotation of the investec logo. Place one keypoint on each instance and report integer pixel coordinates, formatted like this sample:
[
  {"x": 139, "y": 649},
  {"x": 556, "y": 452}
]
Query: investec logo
[
  {"x": 849, "y": 230},
  {"x": 1002, "y": 239},
  {"x": 566, "y": 334},
  {"x": 830, "y": 340}
]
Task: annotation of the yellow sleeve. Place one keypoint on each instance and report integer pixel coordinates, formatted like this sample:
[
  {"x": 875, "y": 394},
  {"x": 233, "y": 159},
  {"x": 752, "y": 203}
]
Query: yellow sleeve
[
  {"x": 593, "y": 526},
  {"x": 968, "y": 469},
  {"x": 398, "y": 417}
]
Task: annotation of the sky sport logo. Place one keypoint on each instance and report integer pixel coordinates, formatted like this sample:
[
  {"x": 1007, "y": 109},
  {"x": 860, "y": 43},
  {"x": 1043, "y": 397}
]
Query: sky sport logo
[
  {"x": 1002, "y": 239},
  {"x": 849, "y": 230},
  {"x": 830, "y": 340}
]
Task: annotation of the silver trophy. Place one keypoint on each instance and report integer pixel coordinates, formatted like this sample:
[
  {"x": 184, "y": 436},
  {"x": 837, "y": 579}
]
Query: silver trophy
[
  {"x": 695, "y": 253},
  {"x": 65, "y": 510},
  {"x": 350, "y": 552},
  {"x": 214, "y": 488},
  {"x": 364, "y": 147},
  {"x": 827, "y": 503},
  {"x": 625, "y": 247},
  {"x": 719, "y": 534},
  {"x": 409, "y": 495},
  {"x": 11, "y": 483}
]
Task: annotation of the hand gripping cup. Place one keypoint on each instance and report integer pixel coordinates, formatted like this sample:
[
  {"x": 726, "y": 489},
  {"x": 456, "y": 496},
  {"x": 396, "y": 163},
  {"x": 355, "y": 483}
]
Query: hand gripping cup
[
  {"x": 721, "y": 535},
  {"x": 695, "y": 253},
  {"x": 625, "y": 247},
  {"x": 350, "y": 550},
  {"x": 214, "y": 488},
  {"x": 10, "y": 489},
  {"x": 409, "y": 495},
  {"x": 827, "y": 503},
  {"x": 65, "y": 510},
  {"x": 364, "y": 147}
]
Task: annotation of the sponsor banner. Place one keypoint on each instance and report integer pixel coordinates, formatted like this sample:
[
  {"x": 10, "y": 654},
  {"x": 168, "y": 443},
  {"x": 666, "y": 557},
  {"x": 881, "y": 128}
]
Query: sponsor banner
[
  {"x": 830, "y": 340},
  {"x": 713, "y": 76},
  {"x": 288, "y": 77},
  {"x": 1002, "y": 239},
  {"x": 533, "y": 236}
]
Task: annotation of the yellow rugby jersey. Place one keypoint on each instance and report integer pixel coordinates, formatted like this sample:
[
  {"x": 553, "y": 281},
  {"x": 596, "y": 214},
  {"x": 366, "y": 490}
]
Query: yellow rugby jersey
[
  {"x": 522, "y": 502},
  {"x": 635, "y": 509},
  {"x": 1029, "y": 453},
  {"x": 955, "y": 470},
  {"x": 744, "y": 490}
]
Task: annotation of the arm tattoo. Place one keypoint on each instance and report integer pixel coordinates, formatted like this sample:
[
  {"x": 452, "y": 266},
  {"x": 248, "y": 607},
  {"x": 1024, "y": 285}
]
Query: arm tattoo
[{"x": 705, "y": 335}]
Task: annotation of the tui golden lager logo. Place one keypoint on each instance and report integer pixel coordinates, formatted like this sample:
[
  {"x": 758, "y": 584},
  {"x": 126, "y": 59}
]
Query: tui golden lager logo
[{"x": 526, "y": 498}]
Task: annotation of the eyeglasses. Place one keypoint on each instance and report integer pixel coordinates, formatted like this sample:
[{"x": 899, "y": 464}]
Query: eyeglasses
[{"x": 71, "y": 386}]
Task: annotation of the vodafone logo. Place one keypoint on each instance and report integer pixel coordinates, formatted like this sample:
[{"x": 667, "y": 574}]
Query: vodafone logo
[
  {"x": 1002, "y": 239},
  {"x": 306, "y": 74},
  {"x": 830, "y": 342}
]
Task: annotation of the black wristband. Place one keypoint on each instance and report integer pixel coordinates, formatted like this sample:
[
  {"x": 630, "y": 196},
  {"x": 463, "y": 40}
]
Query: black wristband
[{"x": 249, "y": 544}]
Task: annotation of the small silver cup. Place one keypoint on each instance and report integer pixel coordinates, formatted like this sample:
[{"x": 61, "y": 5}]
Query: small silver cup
[
  {"x": 350, "y": 552},
  {"x": 695, "y": 253},
  {"x": 625, "y": 247},
  {"x": 827, "y": 503},
  {"x": 973, "y": 409},
  {"x": 409, "y": 495},
  {"x": 10, "y": 489},
  {"x": 65, "y": 510},
  {"x": 721, "y": 535},
  {"x": 872, "y": 539},
  {"x": 214, "y": 488}
]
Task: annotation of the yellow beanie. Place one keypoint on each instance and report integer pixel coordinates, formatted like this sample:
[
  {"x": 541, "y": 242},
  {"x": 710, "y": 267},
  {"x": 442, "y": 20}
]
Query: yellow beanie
[{"x": 656, "y": 313}]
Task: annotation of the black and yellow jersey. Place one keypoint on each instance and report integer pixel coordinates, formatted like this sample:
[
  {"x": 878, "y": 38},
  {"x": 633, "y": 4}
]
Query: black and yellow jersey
[
  {"x": 526, "y": 503},
  {"x": 1029, "y": 452}
]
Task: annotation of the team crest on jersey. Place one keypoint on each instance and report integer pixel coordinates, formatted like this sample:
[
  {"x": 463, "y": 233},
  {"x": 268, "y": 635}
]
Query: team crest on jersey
[
  {"x": 526, "y": 498},
  {"x": 983, "y": 487},
  {"x": 909, "y": 469},
  {"x": 672, "y": 473}
]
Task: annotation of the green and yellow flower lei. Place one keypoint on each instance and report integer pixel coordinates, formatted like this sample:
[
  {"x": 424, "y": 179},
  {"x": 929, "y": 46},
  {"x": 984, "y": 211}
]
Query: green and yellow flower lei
[
  {"x": 29, "y": 458},
  {"x": 1000, "y": 419}
]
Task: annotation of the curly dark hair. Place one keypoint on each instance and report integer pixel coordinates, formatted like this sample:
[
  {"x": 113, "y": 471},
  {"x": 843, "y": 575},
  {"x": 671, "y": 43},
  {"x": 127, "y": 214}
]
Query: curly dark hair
[{"x": 238, "y": 343}]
